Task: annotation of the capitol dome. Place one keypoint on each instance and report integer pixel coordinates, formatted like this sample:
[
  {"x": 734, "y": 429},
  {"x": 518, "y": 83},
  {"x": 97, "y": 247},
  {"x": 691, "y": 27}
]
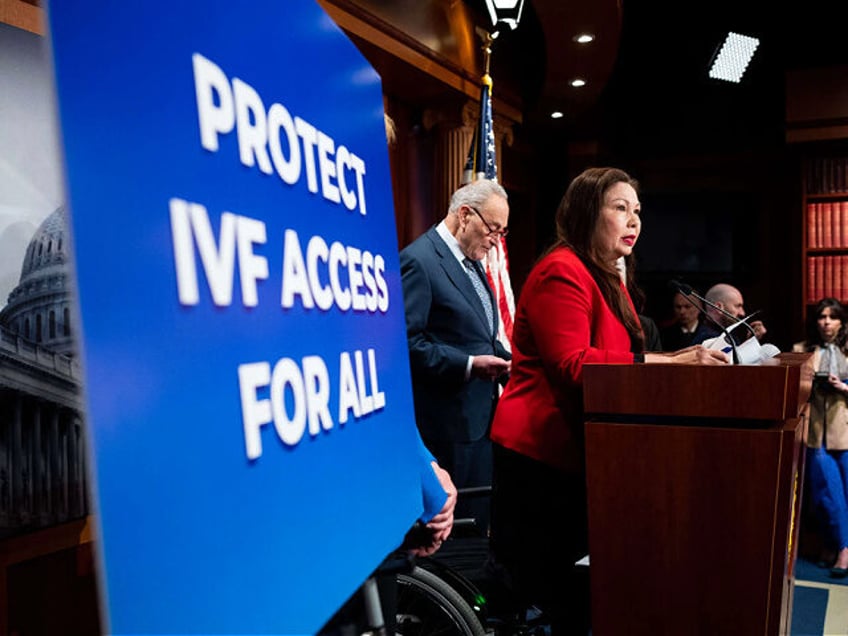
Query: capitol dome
[{"x": 38, "y": 307}]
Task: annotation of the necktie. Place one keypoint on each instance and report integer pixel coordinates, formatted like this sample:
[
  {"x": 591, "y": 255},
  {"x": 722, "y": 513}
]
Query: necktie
[
  {"x": 477, "y": 281},
  {"x": 829, "y": 361}
]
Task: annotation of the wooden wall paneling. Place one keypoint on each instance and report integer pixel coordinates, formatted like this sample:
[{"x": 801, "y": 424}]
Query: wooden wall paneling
[{"x": 23, "y": 15}]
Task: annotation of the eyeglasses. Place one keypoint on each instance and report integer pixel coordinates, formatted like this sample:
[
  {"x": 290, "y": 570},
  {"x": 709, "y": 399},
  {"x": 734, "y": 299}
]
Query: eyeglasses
[{"x": 490, "y": 232}]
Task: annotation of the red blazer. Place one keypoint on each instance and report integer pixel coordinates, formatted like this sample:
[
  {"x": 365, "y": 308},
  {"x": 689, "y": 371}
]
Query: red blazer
[{"x": 561, "y": 323}]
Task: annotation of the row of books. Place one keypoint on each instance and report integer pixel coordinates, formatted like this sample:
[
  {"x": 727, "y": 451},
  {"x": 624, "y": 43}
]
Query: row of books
[
  {"x": 826, "y": 175},
  {"x": 827, "y": 224},
  {"x": 827, "y": 276}
]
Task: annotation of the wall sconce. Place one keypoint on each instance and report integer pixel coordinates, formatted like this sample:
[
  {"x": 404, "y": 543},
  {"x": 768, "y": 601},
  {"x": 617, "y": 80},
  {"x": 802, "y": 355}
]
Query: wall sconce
[{"x": 506, "y": 11}]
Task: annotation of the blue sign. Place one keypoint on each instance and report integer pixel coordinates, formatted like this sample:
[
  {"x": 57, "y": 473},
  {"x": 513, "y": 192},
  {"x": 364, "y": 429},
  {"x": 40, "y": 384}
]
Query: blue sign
[{"x": 244, "y": 344}]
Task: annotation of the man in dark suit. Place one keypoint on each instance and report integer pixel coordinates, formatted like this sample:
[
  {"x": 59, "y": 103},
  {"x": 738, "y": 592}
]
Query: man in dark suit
[{"x": 451, "y": 326}]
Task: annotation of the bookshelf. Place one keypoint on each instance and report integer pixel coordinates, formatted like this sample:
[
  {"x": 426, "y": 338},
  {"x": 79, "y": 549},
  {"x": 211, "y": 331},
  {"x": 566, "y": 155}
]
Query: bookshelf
[{"x": 825, "y": 228}]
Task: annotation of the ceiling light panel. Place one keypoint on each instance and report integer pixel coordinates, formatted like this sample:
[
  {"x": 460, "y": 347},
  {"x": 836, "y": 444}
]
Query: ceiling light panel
[{"x": 733, "y": 57}]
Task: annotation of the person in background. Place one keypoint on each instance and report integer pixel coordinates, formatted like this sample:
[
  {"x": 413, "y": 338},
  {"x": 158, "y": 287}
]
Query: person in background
[
  {"x": 574, "y": 309},
  {"x": 681, "y": 332},
  {"x": 653, "y": 342},
  {"x": 827, "y": 427},
  {"x": 728, "y": 298},
  {"x": 451, "y": 327}
]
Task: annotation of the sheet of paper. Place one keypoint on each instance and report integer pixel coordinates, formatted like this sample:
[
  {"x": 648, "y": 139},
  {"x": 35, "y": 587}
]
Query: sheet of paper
[{"x": 748, "y": 352}]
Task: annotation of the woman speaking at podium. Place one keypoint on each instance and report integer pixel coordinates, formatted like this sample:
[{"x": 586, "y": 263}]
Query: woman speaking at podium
[
  {"x": 827, "y": 428},
  {"x": 574, "y": 309}
]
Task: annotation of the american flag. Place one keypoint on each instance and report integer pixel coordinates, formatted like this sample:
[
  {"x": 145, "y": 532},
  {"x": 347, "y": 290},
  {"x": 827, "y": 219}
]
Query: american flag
[
  {"x": 497, "y": 271},
  {"x": 481, "y": 164}
]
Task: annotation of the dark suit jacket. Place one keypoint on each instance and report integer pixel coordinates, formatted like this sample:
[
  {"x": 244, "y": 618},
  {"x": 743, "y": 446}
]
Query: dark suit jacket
[
  {"x": 673, "y": 338},
  {"x": 445, "y": 323},
  {"x": 653, "y": 341},
  {"x": 705, "y": 331}
]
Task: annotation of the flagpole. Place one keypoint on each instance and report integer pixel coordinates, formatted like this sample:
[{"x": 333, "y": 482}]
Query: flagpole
[
  {"x": 486, "y": 118},
  {"x": 481, "y": 162}
]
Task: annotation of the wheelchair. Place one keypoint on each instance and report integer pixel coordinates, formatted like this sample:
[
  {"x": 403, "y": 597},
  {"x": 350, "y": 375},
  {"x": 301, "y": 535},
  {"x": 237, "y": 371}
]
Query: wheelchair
[{"x": 455, "y": 592}]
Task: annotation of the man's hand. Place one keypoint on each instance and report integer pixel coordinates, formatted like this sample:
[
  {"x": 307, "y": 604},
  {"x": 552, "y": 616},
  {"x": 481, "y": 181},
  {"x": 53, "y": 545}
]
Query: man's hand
[
  {"x": 440, "y": 526},
  {"x": 759, "y": 329},
  {"x": 442, "y": 523},
  {"x": 489, "y": 367}
]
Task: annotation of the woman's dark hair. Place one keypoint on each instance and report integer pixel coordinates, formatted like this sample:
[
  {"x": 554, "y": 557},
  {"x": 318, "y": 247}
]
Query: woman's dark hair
[
  {"x": 576, "y": 220},
  {"x": 837, "y": 310}
]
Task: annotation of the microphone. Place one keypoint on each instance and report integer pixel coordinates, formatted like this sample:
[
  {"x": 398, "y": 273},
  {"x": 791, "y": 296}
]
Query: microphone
[{"x": 686, "y": 291}]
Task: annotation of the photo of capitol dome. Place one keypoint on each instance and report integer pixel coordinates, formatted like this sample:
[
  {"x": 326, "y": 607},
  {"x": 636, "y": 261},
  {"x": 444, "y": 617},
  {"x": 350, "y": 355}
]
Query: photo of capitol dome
[
  {"x": 43, "y": 477},
  {"x": 42, "y": 455}
]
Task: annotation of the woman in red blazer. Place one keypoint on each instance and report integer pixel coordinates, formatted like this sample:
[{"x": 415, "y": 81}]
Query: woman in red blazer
[{"x": 574, "y": 309}]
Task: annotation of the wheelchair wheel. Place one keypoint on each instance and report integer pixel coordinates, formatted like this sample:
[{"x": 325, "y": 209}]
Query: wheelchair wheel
[{"x": 427, "y": 606}]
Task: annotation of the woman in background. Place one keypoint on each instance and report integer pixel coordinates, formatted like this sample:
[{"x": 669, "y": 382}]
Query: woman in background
[
  {"x": 827, "y": 428},
  {"x": 574, "y": 309}
]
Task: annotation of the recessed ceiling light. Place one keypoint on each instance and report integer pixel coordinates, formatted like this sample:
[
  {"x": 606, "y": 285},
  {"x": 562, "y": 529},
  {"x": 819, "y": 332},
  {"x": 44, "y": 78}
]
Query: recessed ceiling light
[
  {"x": 583, "y": 38},
  {"x": 577, "y": 82},
  {"x": 733, "y": 57},
  {"x": 556, "y": 114}
]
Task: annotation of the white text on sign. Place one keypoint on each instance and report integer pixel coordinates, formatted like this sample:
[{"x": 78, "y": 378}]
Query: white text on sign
[
  {"x": 272, "y": 139},
  {"x": 308, "y": 386},
  {"x": 319, "y": 276}
]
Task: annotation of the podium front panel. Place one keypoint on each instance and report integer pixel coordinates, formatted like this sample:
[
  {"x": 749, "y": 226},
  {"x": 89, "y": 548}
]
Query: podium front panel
[
  {"x": 688, "y": 527},
  {"x": 694, "y": 477}
]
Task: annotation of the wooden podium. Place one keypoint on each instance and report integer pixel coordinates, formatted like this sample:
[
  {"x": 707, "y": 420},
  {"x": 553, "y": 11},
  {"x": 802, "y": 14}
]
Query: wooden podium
[{"x": 694, "y": 477}]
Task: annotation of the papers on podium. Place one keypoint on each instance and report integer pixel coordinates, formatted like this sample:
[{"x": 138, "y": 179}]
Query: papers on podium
[{"x": 749, "y": 352}]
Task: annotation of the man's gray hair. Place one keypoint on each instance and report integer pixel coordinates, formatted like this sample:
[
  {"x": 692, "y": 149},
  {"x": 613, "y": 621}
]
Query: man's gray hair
[{"x": 475, "y": 194}]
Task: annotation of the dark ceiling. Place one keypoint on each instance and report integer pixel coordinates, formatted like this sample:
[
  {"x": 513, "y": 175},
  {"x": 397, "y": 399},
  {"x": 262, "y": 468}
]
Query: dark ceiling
[
  {"x": 657, "y": 97},
  {"x": 660, "y": 97},
  {"x": 648, "y": 93}
]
